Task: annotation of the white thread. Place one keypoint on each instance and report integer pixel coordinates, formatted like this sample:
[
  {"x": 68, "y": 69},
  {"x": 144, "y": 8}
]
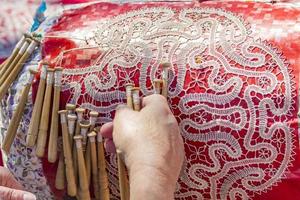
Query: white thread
[
  {"x": 31, "y": 47},
  {"x": 63, "y": 119},
  {"x": 44, "y": 72},
  {"x": 93, "y": 120},
  {"x": 23, "y": 48},
  {"x": 136, "y": 98},
  {"x": 57, "y": 78},
  {"x": 92, "y": 139},
  {"x": 78, "y": 144},
  {"x": 20, "y": 43},
  {"x": 50, "y": 78},
  {"x": 99, "y": 137}
]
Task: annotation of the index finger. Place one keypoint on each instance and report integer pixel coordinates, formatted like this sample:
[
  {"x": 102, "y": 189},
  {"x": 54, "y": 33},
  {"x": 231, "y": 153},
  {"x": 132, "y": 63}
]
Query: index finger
[{"x": 155, "y": 101}]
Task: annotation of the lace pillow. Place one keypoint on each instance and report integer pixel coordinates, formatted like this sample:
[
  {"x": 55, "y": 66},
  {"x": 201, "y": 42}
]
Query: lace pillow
[{"x": 233, "y": 86}]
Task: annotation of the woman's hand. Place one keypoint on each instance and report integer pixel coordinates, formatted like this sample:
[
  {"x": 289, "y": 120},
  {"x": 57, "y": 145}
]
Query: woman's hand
[
  {"x": 10, "y": 189},
  {"x": 151, "y": 145}
]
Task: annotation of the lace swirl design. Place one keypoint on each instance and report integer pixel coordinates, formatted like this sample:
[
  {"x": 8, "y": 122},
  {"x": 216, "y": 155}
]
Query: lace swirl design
[{"x": 231, "y": 93}]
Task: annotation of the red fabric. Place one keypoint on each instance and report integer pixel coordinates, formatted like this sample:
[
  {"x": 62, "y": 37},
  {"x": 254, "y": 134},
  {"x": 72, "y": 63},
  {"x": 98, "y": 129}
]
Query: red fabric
[{"x": 263, "y": 16}]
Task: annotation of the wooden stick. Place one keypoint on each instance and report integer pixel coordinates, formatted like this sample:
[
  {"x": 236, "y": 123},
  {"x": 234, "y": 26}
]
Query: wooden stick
[
  {"x": 17, "y": 115},
  {"x": 157, "y": 86},
  {"x": 36, "y": 112},
  {"x": 84, "y": 127},
  {"x": 136, "y": 98},
  {"x": 84, "y": 188},
  {"x": 60, "y": 173},
  {"x": 102, "y": 173},
  {"x": 93, "y": 119},
  {"x": 52, "y": 147},
  {"x": 3, "y": 65},
  {"x": 44, "y": 122},
  {"x": 71, "y": 183},
  {"x": 16, "y": 55},
  {"x": 129, "y": 87},
  {"x": 88, "y": 161},
  {"x": 165, "y": 77},
  {"x": 92, "y": 140},
  {"x": 71, "y": 126},
  {"x": 79, "y": 112},
  {"x": 16, "y": 70}
]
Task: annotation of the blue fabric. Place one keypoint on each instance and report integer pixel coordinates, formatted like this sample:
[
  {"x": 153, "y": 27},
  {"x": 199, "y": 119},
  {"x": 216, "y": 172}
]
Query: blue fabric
[{"x": 39, "y": 16}]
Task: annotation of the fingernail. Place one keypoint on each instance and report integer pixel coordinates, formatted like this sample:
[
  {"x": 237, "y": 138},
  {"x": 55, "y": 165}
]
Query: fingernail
[{"x": 29, "y": 196}]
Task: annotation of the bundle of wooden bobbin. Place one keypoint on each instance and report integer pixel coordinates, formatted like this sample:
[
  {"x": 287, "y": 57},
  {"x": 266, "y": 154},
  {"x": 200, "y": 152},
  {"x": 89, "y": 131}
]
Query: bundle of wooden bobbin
[{"x": 82, "y": 155}]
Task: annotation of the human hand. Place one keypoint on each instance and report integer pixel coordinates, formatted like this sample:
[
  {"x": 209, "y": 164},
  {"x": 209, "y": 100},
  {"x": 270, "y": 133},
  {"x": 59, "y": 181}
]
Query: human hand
[
  {"x": 10, "y": 189},
  {"x": 151, "y": 145}
]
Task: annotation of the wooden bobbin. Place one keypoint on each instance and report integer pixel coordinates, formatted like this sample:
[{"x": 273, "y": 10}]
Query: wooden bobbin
[
  {"x": 83, "y": 182},
  {"x": 60, "y": 173},
  {"x": 17, "y": 115},
  {"x": 93, "y": 119},
  {"x": 92, "y": 140},
  {"x": 13, "y": 74},
  {"x": 9, "y": 67},
  {"x": 84, "y": 127},
  {"x": 79, "y": 112},
  {"x": 37, "y": 108},
  {"x": 165, "y": 76},
  {"x": 44, "y": 123},
  {"x": 102, "y": 173},
  {"x": 71, "y": 183},
  {"x": 15, "y": 52},
  {"x": 70, "y": 108},
  {"x": 136, "y": 98},
  {"x": 128, "y": 88},
  {"x": 71, "y": 126},
  {"x": 157, "y": 84},
  {"x": 52, "y": 147}
]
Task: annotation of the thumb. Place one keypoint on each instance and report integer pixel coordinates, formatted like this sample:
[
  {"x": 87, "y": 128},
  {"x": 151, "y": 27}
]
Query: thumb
[{"x": 12, "y": 194}]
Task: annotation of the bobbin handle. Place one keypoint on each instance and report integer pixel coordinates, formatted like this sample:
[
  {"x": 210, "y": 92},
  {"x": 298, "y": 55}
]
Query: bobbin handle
[
  {"x": 6, "y": 72},
  {"x": 92, "y": 139},
  {"x": 60, "y": 173},
  {"x": 52, "y": 146},
  {"x": 71, "y": 183},
  {"x": 17, "y": 115},
  {"x": 15, "y": 121},
  {"x": 123, "y": 181},
  {"x": 84, "y": 189},
  {"x": 44, "y": 122},
  {"x": 102, "y": 173},
  {"x": 36, "y": 112},
  {"x": 15, "y": 72}
]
